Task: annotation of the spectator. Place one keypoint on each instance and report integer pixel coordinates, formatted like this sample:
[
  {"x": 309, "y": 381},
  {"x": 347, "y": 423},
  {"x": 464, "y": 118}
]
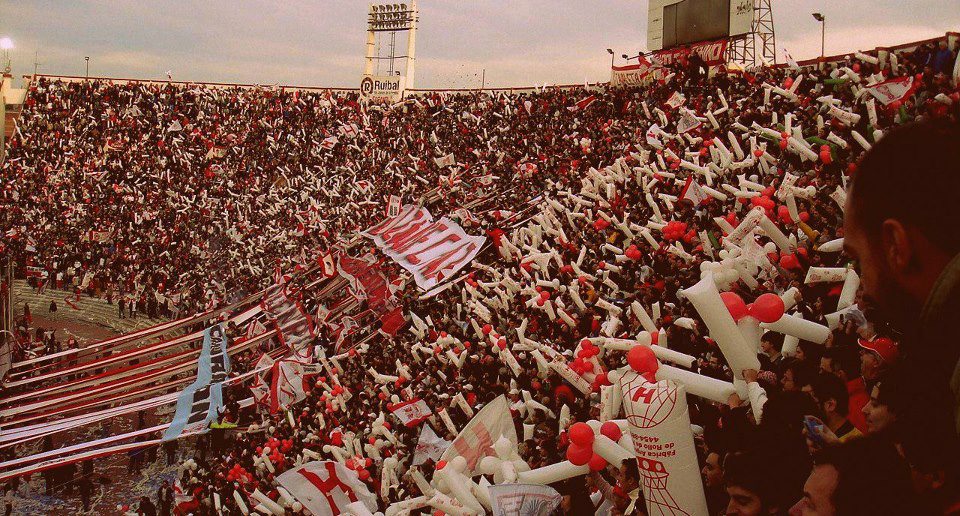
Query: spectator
[
  {"x": 831, "y": 396},
  {"x": 906, "y": 253},
  {"x": 862, "y": 476}
]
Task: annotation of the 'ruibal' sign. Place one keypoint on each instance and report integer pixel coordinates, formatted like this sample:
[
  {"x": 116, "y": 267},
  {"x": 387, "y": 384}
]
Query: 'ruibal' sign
[{"x": 382, "y": 88}]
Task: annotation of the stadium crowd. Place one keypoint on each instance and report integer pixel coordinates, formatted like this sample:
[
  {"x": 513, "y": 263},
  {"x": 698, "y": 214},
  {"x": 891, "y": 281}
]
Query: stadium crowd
[{"x": 197, "y": 196}]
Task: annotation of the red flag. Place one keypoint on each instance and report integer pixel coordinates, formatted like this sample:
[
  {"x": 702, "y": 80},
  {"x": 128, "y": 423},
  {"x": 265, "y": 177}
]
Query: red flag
[{"x": 583, "y": 104}]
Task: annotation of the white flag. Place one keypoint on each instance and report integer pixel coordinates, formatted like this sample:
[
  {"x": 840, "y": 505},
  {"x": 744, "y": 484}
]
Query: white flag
[
  {"x": 676, "y": 100},
  {"x": 475, "y": 440},
  {"x": 445, "y": 161},
  {"x": 430, "y": 446},
  {"x": 326, "y": 488},
  {"x": 692, "y": 192},
  {"x": 688, "y": 122}
]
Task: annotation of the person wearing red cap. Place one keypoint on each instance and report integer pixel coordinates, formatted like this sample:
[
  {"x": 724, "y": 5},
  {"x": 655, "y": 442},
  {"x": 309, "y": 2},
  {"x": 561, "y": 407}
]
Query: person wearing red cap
[
  {"x": 904, "y": 233},
  {"x": 876, "y": 356}
]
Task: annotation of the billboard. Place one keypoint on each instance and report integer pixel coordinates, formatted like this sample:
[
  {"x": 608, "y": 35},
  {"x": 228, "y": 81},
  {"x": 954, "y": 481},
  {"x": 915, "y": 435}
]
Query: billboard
[
  {"x": 673, "y": 23},
  {"x": 382, "y": 88}
]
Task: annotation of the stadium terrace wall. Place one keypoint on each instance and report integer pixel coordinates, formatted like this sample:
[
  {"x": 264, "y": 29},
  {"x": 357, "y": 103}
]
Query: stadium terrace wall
[
  {"x": 953, "y": 40},
  {"x": 425, "y": 91}
]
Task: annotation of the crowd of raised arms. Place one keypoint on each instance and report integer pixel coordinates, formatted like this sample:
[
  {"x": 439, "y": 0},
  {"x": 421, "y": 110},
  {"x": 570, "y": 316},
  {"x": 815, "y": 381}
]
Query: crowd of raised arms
[{"x": 186, "y": 198}]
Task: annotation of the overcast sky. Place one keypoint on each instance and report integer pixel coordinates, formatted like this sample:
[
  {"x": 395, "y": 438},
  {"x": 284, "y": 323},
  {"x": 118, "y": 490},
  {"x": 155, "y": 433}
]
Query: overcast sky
[{"x": 321, "y": 43}]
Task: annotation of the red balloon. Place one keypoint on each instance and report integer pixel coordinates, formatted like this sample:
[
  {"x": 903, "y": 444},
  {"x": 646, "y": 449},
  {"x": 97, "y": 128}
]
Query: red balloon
[
  {"x": 597, "y": 463},
  {"x": 642, "y": 360},
  {"x": 611, "y": 430},
  {"x": 655, "y": 337},
  {"x": 582, "y": 434},
  {"x": 767, "y": 308},
  {"x": 735, "y": 305},
  {"x": 363, "y": 474},
  {"x": 826, "y": 157},
  {"x": 441, "y": 464},
  {"x": 789, "y": 261},
  {"x": 487, "y": 329},
  {"x": 578, "y": 454}
]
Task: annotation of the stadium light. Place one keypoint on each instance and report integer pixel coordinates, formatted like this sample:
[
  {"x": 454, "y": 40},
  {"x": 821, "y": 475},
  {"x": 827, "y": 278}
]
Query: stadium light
[
  {"x": 6, "y": 44},
  {"x": 823, "y": 32},
  {"x": 612, "y": 56}
]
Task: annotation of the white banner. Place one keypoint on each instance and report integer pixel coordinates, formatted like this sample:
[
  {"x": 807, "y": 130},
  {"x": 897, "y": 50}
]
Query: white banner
[
  {"x": 430, "y": 250},
  {"x": 523, "y": 499}
]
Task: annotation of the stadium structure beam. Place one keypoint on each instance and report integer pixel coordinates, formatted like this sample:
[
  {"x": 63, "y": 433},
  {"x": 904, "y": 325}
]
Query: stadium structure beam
[{"x": 744, "y": 49}]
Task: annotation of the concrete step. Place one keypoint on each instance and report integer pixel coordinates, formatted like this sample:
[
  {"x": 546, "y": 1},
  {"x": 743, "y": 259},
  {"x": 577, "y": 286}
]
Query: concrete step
[{"x": 89, "y": 309}]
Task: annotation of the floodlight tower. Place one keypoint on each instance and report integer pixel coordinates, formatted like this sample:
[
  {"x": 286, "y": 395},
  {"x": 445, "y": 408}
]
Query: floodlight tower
[
  {"x": 393, "y": 18},
  {"x": 743, "y": 49}
]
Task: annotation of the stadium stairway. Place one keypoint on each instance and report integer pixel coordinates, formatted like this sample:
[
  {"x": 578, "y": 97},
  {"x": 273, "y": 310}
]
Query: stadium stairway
[
  {"x": 12, "y": 114},
  {"x": 90, "y": 310}
]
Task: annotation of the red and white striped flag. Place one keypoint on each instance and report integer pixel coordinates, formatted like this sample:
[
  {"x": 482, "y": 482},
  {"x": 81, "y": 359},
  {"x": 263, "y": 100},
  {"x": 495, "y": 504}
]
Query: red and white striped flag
[
  {"x": 411, "y": 413},
  {"x": 326, "y": 488},
  {"x": 289, "y": 384},
  {"x": 582, "y": 104}
]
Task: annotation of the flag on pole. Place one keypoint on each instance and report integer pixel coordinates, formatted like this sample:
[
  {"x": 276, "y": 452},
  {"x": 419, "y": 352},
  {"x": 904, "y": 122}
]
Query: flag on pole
[
  {"x": 289, "y": 384},
  {"x": 897, "y": 89},
  {"x": 676, "y": 100},
  {"x": 411, "y": 413},
  {"x": 582, "y": 104}
]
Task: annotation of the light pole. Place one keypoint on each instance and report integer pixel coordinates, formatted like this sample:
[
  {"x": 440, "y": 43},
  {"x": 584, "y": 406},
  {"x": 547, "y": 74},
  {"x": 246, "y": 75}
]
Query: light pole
[
  {"x": 823, "y": 32},
  {"x": 6, "y": 44},
  {"x": 612, "y": 56},
  {"x": 87, "y": 59}
]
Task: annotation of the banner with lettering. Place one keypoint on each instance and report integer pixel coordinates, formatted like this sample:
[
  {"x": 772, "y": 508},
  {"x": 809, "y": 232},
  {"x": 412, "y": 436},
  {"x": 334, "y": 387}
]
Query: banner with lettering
[
  {"x": 199, "y": 403},
  {"x": 713, "y": 53},
  {"x": 430, "y": 250}
]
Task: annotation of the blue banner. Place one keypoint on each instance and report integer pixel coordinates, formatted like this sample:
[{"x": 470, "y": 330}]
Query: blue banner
[{"x": 199, "y": 404}]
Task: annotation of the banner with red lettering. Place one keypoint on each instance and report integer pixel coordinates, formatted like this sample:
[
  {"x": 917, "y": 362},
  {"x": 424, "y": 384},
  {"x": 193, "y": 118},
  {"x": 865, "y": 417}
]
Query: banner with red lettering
[
  {"x": 713, "y": 53},
  {"x": 636, "y": 75},
  {"x": 430, "y": 250}
]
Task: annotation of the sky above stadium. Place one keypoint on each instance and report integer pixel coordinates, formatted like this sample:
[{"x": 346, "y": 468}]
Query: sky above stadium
[{"x": 322, "y": 42}]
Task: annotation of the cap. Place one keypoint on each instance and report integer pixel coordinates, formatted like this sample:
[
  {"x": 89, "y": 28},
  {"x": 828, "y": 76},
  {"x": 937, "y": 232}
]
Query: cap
[{"x": 882, "y": 346}]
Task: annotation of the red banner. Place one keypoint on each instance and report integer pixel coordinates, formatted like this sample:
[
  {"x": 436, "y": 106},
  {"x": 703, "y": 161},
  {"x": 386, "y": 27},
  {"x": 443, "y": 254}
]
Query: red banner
[{"x": 712, "y": 52}]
